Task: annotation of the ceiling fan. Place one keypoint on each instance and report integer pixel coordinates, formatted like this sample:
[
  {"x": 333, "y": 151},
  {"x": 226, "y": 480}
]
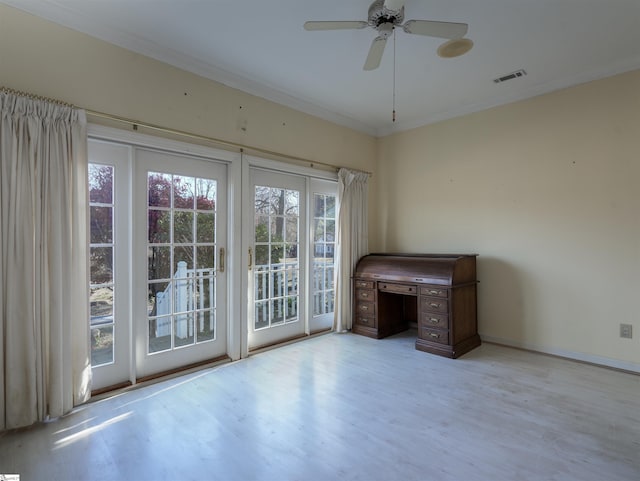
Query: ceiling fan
[{"x": 385, "y": 15}]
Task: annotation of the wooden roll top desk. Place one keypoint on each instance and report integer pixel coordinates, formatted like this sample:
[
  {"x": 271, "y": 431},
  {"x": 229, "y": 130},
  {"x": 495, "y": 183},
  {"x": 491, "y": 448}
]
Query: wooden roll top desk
[{"x": 436, "y": 292}]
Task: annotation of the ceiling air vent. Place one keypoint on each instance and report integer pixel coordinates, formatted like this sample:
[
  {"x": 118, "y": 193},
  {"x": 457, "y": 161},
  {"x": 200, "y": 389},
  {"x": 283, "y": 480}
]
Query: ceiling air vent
[{"x": 510, "y": 76}]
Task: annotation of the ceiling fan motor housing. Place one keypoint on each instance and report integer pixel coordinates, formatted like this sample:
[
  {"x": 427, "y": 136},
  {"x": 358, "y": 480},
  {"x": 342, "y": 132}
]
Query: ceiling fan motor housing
[{"x": 380, "y": 16}]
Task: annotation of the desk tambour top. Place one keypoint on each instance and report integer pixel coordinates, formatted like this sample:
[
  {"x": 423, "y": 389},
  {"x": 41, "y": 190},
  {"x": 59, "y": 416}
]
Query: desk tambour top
[{"x": 449, "y": 270}]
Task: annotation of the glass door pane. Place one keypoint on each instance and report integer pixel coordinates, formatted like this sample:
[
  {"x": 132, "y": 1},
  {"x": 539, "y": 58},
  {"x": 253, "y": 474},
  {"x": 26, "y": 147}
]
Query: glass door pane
[
  {"x": 323, "y": 244},
  {"x": 278, "y": 241},
  {"x": 181, "y": 216},
  {"x": 109, "y": 287},
  {"x": 180, "y": 241},
  {"x": 101, "y": 251},
  {"x": 276, "y": 270}
]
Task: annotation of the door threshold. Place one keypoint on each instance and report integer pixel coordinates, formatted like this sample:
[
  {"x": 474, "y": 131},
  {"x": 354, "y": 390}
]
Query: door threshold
[
  {"x": 286, "y": 342},
  {"x": 103, "y": 393}
]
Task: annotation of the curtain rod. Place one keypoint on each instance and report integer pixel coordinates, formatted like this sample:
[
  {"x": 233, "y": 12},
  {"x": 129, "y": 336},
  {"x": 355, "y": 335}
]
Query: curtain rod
[
  {"x": 135, "y": 124},
  {"x": 34, "y": 97}
]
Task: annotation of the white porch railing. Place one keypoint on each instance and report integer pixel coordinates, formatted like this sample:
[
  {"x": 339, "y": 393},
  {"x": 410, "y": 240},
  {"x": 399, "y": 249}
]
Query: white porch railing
[
  {"x": 185, "y": 300},
  {"x": 322, "y": 283}
]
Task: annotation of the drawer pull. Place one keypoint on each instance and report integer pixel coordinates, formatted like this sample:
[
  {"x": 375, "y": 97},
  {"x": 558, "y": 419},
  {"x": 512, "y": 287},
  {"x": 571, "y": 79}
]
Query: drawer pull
[
  {"x": 435, "y": 305},
  {"x": 364, "y": 294},
  {"x": 364, "y": 308},
  {"x": 434, "y": 320},
  {"x": 434, "y": 335},
  {"x": 434, "y": 292}
]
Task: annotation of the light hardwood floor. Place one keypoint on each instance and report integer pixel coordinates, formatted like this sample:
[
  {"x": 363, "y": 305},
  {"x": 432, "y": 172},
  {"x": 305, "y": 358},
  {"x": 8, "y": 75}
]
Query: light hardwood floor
[{"x": 345, "y": 407}]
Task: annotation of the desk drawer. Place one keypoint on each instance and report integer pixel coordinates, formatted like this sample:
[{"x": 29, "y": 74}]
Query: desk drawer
[
  {"x": 398, "y": 288},
  {"x": 430, "y": 320},
  {"x": 366, "y": 321},
  {"x": 434, "y": 291},
  {"x": 433, "y": 304},
  {"x": 435, "y": 335},
  {"x": 367, "y": 309},
  {"x": 360, "y": 284},
  {"x": 365, "y": 294}
]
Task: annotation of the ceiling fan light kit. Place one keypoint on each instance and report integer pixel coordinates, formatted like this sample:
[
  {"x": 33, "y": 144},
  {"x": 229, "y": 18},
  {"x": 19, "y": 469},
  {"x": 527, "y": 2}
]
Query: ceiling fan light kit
[
  {"x": 385, "y": 15},
  {"x": 455, "y": 48}
]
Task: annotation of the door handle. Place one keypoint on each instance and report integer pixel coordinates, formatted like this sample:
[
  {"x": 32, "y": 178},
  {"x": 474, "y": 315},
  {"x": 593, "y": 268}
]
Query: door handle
[
  {"x": 221, "y": 263},
  {"x": 250, "y": 258}
]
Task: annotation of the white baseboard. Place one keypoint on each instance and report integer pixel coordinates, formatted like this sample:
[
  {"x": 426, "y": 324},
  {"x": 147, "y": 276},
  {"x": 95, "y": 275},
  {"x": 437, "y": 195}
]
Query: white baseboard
[{"x": 575, "y": 356}]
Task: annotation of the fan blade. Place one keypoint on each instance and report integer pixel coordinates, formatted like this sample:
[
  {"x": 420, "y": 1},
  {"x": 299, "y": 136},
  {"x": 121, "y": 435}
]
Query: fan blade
[
  {"x": 436, "y": 29},
  {"x": 334, "y": 25},
  {"x": 393, "y": 5},
  {"x": 375, "y": 53}
]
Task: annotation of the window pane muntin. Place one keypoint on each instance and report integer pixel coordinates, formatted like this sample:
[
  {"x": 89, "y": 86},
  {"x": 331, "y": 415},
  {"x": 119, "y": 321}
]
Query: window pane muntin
[
  {"x": 319, "y": 203},
  {"x": 102, "y": 345},
  {"x": 292, "y": 203},
  {"x": 184, "y": 207},
  {"x": 206, "y": 194},
  {"x": 101, "y": 225},
  {"x": 261, "y": 231},
  {"x": 159, "y": 334},
  {"x": 159, "y": 262},
  {"x": 183, "y": 330},
  {"x": 205, "y": 326},
  {"x": 159, "y": 298},
  {"x": 183, "y": 260},
  {"x": 205, "y": 257},
  {"x": 159, "y": 226},
  {"x": 101, "y": 184},
  {"x": 261, "y": 315},
  {"x": 159, "y": 189},
  {"x": 330, "y": 201},
  {"x": 323, "y": 254},
  {"x": 183, "y": 228},
  {"x": 183, "y": 192},
  {"x": 204, "y": 287},
  {"x": 276, "y": 269},
  {"x": 205, "y": 227},
  {"x": 101, "y": 266},
  {"x": 101, "y": 304}
]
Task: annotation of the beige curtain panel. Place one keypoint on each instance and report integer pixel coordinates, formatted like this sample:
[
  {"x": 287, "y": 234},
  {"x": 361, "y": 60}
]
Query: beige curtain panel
[
  {"x": 352, "y": 240},
  {"x": 44, "y": 340}
]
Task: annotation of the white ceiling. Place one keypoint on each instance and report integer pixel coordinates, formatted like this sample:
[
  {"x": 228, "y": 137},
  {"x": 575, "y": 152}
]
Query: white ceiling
[{"x": 261, "y": 47}]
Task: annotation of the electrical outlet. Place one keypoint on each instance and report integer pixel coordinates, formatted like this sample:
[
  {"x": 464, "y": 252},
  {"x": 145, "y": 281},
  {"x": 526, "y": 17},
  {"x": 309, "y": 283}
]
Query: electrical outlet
[{"x": 626, "y": 331}]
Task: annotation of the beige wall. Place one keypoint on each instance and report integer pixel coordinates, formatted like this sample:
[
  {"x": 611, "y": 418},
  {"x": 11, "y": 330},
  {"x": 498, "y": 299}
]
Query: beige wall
[{"x": 546, "y": 191}]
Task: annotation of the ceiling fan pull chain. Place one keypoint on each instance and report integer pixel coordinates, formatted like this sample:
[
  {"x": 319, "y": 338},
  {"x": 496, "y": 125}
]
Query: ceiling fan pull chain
[{"x": 394, "y": 75}]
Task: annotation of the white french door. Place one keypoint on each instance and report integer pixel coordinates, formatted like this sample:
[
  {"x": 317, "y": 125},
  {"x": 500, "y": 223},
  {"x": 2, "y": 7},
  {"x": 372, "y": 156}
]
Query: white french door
[
  {"x": 170, "y": 285},
  {"x": 109, "y": 283},
  {"x": 322, "y": 197},
  {"x": 179, "y": 275},
  {"x": 158, "y": 274},
  {"x": 277, "y": 231}
]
